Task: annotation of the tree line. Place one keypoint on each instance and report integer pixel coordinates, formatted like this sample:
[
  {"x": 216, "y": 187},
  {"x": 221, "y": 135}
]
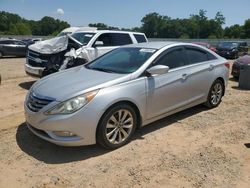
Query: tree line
[
  {"x": 153, "y": 25},
  {"x": 13, "y": 24}
]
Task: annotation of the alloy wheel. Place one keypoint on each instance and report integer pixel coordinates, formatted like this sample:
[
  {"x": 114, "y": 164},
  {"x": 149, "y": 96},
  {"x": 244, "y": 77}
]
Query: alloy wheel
[
  {"x": 216, "y": 94},
  {"x": 119, "y": 126}
]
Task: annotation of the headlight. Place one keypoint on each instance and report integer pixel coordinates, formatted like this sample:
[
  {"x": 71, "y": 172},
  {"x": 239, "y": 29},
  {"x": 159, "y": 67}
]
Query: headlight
[{"x": 72, "y": 105}]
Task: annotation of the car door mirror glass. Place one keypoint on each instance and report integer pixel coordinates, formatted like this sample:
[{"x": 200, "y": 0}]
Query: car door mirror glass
[
  {"x": 158, "y": 70},
  {"x": 98, "y": 43}
]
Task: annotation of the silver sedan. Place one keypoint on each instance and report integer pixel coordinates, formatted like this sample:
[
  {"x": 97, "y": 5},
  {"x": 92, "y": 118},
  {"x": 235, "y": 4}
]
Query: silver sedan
[{"x": 106, "y": 100}]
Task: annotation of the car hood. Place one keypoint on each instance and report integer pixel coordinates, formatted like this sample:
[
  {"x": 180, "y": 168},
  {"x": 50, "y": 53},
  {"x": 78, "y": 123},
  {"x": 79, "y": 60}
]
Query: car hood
[
  {"x": 75, "y": 81},
  {"x": 53, "y": 45}
]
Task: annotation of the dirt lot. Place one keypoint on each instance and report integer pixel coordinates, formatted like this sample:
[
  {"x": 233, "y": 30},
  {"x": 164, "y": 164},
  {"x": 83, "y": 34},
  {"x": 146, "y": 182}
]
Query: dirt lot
[{"x": 194, "y": 148}]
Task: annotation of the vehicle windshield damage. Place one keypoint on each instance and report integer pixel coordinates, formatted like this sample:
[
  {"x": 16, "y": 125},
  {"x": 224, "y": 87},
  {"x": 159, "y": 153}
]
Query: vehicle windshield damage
[
  {"x": 83, "y": 38},
  {"x": 122, "y": 60}
]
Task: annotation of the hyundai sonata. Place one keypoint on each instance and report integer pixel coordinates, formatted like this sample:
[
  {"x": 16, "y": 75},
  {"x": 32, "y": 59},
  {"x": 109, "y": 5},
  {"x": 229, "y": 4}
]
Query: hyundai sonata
[{"x": 106, "y": 100}]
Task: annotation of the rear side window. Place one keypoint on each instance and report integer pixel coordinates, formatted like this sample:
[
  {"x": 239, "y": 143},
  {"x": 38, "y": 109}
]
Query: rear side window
[
  {"x": 196, "y": 55},
  {"x": 119, "y": 39},
  {"x": 140, "y": 38},
  {"x": 173, "y": 59}
]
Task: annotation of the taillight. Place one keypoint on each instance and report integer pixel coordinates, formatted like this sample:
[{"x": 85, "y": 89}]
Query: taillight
[{"x": 227, "y": 65}]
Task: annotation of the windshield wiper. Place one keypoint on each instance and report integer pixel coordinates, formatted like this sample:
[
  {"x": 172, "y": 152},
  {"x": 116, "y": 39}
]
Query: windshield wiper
[{"x": 101, "y": 69}]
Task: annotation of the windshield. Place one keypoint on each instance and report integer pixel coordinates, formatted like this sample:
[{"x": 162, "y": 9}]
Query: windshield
[
  {"x": 122, "y": 60},
  {"x": 228, "y": 45},
  {"x": 83, "y": 38},
  {"x": 63, "y": 34}
]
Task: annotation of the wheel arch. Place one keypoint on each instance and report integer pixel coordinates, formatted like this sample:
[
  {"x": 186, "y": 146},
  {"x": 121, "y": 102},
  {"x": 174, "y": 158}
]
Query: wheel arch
[{"x": 131, "y": 104}]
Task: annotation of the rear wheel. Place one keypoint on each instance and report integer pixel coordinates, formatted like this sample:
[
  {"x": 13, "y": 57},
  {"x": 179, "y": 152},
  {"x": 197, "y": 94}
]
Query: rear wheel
[
  {"x": 215, "y": 94},
  {"x": 117, "y": 126},
  {"x": 1, "y": 54}
]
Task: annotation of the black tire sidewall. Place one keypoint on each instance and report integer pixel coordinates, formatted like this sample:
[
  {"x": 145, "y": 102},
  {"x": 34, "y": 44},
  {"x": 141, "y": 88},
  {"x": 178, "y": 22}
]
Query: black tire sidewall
[{"x": 101, "y": 129}]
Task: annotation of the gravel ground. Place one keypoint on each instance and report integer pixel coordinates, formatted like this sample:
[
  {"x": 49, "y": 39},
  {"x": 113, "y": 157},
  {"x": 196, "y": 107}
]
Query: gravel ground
[{"x": 194, "y": 148}]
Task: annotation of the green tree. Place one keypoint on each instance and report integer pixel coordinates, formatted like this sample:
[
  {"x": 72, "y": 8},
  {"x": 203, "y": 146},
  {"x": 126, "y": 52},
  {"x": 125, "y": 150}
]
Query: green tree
[
  {"x": 247, "y": 28},
  {"x": 153, "y": 24}
]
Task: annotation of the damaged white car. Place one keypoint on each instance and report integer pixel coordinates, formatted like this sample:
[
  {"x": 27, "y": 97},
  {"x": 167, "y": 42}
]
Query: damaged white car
[{"x": 68, "y": 51}]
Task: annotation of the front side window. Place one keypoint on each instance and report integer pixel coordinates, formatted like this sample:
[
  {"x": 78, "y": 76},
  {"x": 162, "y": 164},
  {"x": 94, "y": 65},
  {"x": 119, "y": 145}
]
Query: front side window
[
  {"x": 119, "y": 39},
  {"x": 83, "y": 38},
  {"x": 173, "y": 59},
  {"x": 122, "y": 60},
  {"x": 105, "y": 38}
]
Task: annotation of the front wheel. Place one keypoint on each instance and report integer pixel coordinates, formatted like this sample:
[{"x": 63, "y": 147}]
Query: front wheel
[
  {"x": 117, "y": 126},
  {"x": 215, "y": 94}
]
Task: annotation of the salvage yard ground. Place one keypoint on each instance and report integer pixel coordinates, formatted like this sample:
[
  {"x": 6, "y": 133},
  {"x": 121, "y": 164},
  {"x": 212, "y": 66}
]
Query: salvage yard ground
[{"x": 194, "y": 148}]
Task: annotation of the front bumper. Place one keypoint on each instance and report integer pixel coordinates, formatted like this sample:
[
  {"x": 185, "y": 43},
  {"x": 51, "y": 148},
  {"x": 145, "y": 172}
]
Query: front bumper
[
  {"x": 82, "y": 124},
  {"x": 34, "y": 71}
]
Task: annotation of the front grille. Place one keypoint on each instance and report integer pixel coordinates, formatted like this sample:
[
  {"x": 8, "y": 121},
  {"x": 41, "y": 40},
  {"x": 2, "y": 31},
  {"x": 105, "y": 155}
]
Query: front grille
[
  {"x": 33, "y": 54},
  {"x": 36, "y": 60},
  {"x": 33, "y": 63},
  {"x": 35, "y": 103}
]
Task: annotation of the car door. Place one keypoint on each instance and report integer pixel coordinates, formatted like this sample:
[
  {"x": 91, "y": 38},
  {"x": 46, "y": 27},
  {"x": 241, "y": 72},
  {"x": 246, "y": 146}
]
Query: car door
[
  {"x": 110, "y": 41},
  {"x": 20, "y": 48},
  {"x": 199, "y": 73},
  {"x": 8, "y": 47},
  {"x": 167, "y": 92}
]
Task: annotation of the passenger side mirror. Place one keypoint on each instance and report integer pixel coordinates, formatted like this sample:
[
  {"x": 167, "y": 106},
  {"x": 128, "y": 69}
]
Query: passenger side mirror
[
  {"x": 98, "y": 43},
  {"x": 158, "y": 70}
]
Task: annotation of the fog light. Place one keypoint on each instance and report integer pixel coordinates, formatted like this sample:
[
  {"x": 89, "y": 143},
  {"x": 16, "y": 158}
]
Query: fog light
[{"x": 64, "y": 133}]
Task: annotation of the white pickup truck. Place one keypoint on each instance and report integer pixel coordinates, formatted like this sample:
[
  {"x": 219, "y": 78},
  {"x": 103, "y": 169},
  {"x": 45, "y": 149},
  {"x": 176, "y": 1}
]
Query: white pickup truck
[{"x": 82, "y": 46}]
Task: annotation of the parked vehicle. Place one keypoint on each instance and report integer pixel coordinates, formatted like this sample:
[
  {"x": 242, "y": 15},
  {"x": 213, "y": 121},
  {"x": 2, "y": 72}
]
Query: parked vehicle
[
  {"x": 12, "y": 47},
  {"x": 238, "y": 63},
  {"x": 232, "y": 50},
  {"x": 209, "y": 46},
  {"x": 105, "y": 100},
  {"x": 30, "y": 41},
  {"x": 68, "y": 51}
]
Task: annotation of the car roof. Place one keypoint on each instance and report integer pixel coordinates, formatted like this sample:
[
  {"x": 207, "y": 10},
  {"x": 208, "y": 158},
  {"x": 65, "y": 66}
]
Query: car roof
[
  {"x": 107, "y": 31},
  {"x": 8, "y": 39},
  {"x": 153, "y": 45}
]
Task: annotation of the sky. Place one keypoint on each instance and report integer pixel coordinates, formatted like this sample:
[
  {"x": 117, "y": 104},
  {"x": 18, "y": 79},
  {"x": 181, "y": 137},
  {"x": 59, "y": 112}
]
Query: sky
[{"x": 125, "y": 13}]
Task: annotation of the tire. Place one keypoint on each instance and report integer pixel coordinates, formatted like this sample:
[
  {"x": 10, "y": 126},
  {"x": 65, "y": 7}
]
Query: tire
[
  {"x": 116, "y": 126},
  {"x": 215, "y": 94},
  {"x": 1, "y": 54}
]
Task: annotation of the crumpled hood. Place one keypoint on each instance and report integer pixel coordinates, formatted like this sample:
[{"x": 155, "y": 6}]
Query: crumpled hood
[
  {"x": 53, "y": 45},
  {"x": 50, "y": 46},
  {"x": 75, "y": 81}
]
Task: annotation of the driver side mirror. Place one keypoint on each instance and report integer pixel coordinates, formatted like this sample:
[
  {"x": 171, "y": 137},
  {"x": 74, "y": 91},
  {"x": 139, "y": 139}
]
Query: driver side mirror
[
  {"x": 98, "y": 43},
  {"x": 158, "y": 70}
]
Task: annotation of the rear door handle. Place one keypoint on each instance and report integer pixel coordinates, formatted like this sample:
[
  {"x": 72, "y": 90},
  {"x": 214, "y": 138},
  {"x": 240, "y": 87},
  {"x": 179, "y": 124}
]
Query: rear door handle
[
  {"x": 184, "y": 76},
  {"x": 211, "y": 67}
]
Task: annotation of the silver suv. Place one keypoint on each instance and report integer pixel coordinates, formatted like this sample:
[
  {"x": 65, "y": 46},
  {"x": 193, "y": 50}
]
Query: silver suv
[
  {"x": 68, "y": 51},
  {"x": 129, "y": 87}
]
